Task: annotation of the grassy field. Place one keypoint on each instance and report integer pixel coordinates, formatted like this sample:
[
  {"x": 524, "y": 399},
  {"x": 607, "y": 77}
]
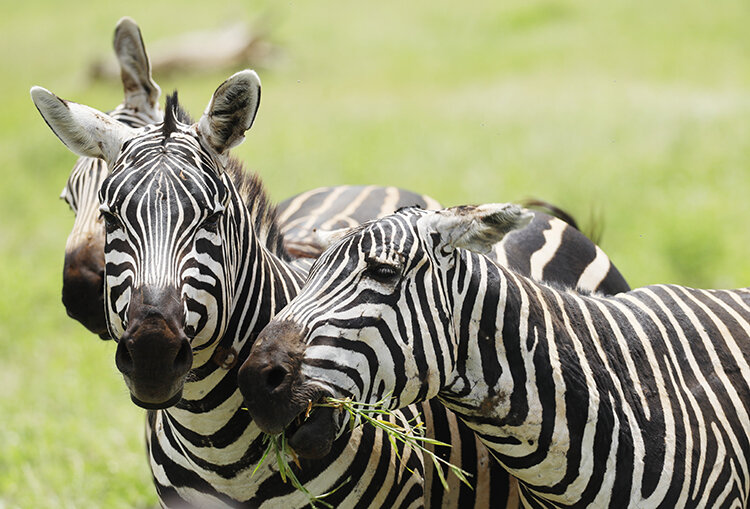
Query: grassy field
[{"x": 635, "y": 115}]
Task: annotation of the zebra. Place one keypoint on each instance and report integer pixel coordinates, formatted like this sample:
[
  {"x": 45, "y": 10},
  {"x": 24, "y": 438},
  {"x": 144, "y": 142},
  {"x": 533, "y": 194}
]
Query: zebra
[
  {"x": 202, "y": 446},
  {"x": 551, "y": 248},
  {"x": 83, "y": 269},
  {"x": 636, "y": 400},
  {"x": 211, "y": 287}
]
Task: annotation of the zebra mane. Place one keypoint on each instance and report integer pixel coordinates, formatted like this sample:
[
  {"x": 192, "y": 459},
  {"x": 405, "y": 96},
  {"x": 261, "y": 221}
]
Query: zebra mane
[
  {"x": 173, "y": 113},
  {"x": 263, "y": 211}
]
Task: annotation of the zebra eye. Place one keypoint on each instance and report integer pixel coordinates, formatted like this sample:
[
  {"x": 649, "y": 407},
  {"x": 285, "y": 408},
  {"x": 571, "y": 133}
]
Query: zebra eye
[
  {"x": 111, "y": 221},
  {"x": 212, "y": 221},
  {"x": 382, "y": 272}
]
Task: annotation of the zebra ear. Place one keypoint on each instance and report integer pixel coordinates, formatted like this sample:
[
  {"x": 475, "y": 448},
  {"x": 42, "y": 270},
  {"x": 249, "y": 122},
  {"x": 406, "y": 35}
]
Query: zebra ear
[
  {"x": 141, "y": 92},
  {"x": 85, "y": 131},
  {"x": 478, "y": 228},
  {"x": 231, "y": 111}
]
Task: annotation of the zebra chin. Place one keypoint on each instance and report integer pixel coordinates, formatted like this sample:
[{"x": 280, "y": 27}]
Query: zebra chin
[
  {"x": 155, "y": 393},
  {"x": 310, "y": 430},
  {"x": 157, "y": 406}
]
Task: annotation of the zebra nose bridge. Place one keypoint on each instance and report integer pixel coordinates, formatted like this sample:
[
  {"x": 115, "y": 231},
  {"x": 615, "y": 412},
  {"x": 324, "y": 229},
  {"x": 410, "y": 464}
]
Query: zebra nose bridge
[{"x": 156, "y": 301}]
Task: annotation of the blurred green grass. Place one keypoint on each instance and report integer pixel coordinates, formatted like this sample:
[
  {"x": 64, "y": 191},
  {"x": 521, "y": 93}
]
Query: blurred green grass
[{"x": 631, "y": 113}]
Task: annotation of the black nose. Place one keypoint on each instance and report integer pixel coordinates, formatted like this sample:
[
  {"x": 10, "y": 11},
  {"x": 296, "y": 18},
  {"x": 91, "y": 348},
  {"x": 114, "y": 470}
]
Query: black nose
[
  {"x": 271, "y": 375},
  {"x": 83, "y": 287},
  {"x": 154, "y": 353},
  {"x": 268, "y": 371}
]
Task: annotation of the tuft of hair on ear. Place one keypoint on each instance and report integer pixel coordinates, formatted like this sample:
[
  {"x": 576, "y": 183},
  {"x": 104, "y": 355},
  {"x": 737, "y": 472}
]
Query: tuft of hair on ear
[
  {"x": 84, "y": 130},
  {"x": 231, "y": 111},
  {"x": 326, "y": 238},
  {"x": 479, "y": 228}
]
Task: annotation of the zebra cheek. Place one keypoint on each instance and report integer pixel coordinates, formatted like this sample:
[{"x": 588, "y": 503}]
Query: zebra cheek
[{"x": 115, "y": 319}]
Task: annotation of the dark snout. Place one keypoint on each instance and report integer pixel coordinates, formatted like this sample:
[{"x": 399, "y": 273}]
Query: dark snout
[
  {"x": 83, "y": 287},
  {"x": 279, "y": 398},
  {"x": 270, "y": 376},
  {"x": 154, "y": 353}
]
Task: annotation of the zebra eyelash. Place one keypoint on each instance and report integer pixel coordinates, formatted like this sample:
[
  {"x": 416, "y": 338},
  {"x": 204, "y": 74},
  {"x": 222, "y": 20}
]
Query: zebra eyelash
[
  {"x": 383, "y": 272},
  {"x": 212, "y": 221},
  {"x": 111, "y": 221}
]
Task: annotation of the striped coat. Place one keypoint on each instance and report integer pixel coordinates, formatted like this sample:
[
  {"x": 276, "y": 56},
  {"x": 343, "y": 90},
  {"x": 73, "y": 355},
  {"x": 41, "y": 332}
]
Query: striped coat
[
  {"x": 231, "y": 282},
  {"x": 636, "y": 400}
]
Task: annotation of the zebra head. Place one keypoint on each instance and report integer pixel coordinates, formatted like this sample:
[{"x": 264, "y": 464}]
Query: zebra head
[
  {"x": 166, "y": 209},
  {"x": 375, "y": 315},
  {"x": 83, "y": 271}
]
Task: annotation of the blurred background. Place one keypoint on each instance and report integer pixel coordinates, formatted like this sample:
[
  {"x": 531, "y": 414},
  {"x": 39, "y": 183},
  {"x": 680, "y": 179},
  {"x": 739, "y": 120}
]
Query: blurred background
[{"x": 632, "y": 116}]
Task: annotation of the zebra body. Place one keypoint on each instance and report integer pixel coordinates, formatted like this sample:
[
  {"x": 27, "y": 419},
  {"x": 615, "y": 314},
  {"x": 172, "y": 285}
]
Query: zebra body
[
  {"x": 195, "y": 268},
  {"x": 549, "y": 249},
  {"x": 637, "y": 400}
]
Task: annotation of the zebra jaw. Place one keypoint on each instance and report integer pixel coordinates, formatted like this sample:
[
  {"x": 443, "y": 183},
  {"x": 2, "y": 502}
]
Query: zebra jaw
[
  {"x": 157, "y": 406},
  {"x": 281, "y": 399},
  {"x": 313, "y": 437}
]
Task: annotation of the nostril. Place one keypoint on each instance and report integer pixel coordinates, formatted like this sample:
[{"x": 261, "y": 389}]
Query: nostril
[
  {"x": 275, "y": 377},
  {"x": 123, "y": 359},
  {"x": 184, "y": 359}
]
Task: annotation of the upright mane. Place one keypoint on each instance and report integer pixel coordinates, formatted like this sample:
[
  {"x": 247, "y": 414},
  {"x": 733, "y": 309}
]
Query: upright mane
[{"x": 173, "y": 113}]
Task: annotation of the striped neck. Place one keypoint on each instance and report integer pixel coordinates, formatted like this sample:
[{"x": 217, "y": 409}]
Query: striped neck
[
  {"x": 259, "y": 283},
  {"x": 506, "y": 348},
  {"x": 593, "y": 401}
]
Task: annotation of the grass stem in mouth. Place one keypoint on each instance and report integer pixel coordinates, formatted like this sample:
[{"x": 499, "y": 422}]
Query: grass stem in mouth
[
  {"x": 396, "y": 427},
  {"x": 411, "y": 433},
  {"x": 278, "y": 447}
]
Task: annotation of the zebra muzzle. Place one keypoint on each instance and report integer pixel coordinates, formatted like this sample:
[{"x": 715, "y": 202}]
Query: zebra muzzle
[
  {"x": 313, "y": 437},
  {"x": 154, "y": 354},
  {"x": 83, "y": 287},
  {"x": 270, "y": 379}
]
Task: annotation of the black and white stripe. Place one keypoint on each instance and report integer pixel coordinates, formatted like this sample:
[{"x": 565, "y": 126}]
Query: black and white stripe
[
  {"x": 549, "y": 249},
  {"x": 636, "y": 400},
  {"x": 138, "y": 108},
  {"x": 183, "y": 226},
  {"x": 181, "y": 220}
]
